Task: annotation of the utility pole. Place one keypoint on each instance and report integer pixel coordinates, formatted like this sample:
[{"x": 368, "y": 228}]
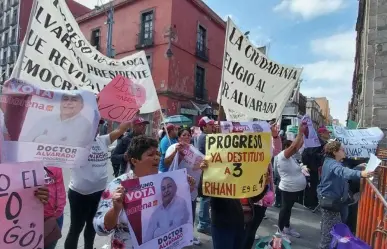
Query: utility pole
[{"x": 110, "y": 22}]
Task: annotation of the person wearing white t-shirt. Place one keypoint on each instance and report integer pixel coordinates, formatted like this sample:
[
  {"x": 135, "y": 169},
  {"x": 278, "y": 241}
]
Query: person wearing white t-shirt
[
  {"x": 70, "y": 127},
  {"x": 292, "y": 182},
  {"x": 85, "y": 189}
]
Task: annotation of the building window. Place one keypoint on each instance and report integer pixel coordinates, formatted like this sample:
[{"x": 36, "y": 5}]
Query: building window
[
  {"x": 150, "y": 62},
  {"x": 96, "y": 38},
  {"x": 4, "y": 58},
  {"x": 6, "y": 38},
  {"x": 14, "y": 17},
  {"x": 10, "y": 71},
  {"x": 13, "y": 36},
  {"x": 199, "y": 82},
  {"x": 145, "y": 38},
  {"x": 6, "y": 20},
  {"x": 201, "y": 43},
  {"x": 1, "y": 8}
]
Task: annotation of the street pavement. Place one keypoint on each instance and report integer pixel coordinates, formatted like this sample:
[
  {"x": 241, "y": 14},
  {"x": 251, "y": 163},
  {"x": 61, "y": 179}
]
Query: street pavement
[{"x": 303, "y": 220}]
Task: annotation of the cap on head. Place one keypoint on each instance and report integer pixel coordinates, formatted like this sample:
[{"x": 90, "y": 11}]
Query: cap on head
[
  {"x": 171, "y": 127},
  {"x": 140, "y": 120},
  {"x": 323, "y": 129},
  {"x": 205, "y": 121}
]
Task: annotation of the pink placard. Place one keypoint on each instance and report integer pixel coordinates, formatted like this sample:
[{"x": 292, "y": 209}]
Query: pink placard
[
  {"x": 21, "y": 213},
  {"x": 121, "y": 99}
]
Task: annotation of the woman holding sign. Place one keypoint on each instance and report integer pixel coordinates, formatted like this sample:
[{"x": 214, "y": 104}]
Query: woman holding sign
[
  {"x": 333, "y": 190},
  {"x": 111, "y": 218},
  {"x": 184, "y": 155}
]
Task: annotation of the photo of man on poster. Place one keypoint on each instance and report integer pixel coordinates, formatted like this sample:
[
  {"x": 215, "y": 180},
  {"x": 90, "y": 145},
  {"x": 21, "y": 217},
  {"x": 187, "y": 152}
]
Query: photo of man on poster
[
  {"x": 68, "y": 127},
  {"x": 171, "y": 214}
]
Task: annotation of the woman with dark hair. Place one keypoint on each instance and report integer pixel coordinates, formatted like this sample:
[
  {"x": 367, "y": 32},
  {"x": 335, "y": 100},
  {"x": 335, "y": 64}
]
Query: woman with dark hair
[
  {"x": 333, "y": 190},
  {"x": 192, "y": 166},
  {"x": 143, "y": 160},
  {"x": 292, "y": 183}
]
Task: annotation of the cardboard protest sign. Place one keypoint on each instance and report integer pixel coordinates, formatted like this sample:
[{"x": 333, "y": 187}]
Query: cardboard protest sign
[
  {"x": 53, "y": 126},
  {"x": 189, "y": 158},
  {"x": 359, "y": 142},
  {"x": 252, "y": 126},
  {"x": 311, "y": 139},
  {"x": 252, "y": 84},
  {"x": 237, "y": 164},
  {"x": 159, "y": 210},
  {"x": 58, "y": 56},
  {"x": 21, "y": 213},
  {"x": 121, "y": 100}
]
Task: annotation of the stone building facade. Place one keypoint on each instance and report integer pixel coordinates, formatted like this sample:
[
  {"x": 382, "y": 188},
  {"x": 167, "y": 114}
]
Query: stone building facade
[{"x": 368, "y": 105}]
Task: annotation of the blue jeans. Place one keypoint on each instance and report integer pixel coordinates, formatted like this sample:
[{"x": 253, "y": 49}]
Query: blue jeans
[
  {"x": 204, "y": 213},
  {"x": 60, "y": 224},
  {"x": 227, "y": 237},
  {"x": 344, "y": 213}
]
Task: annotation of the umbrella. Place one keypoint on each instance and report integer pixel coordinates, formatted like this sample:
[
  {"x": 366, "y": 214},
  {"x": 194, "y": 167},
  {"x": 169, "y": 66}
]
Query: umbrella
[{"x": 177, "y": 119}]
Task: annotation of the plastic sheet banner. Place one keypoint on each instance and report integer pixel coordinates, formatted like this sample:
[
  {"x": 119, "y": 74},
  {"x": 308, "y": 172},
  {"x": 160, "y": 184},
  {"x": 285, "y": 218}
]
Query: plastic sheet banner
[
  {"x": 237, "y": 164},
  {"x": 53, "y": 126}
]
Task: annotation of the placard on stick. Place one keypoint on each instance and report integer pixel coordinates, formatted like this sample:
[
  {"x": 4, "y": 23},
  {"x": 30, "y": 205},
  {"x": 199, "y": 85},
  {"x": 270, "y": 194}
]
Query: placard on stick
[{"x": 121, "y": 99}]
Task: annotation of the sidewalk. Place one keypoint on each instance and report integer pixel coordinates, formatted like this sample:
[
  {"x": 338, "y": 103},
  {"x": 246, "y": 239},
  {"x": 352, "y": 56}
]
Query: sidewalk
[{"x": 304, "y": 221}]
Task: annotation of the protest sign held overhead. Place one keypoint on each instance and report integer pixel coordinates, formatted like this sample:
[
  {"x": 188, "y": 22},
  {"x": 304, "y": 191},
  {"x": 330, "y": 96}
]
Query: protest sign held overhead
[
  {"x": 359, "y": 142},
  {"x": 58, "y": 56},
  {"x": 237, "y": 164},
  {"x": 188, "y": 158},
  {"x": 53, "y": 126},
  {"x": 121, "y": 100},
  {"x": 159, "y": 210},
  {"x": 251, "y": 82},
  {"x": 252, "y": 126},
  {"x": 21, "y": 213}
]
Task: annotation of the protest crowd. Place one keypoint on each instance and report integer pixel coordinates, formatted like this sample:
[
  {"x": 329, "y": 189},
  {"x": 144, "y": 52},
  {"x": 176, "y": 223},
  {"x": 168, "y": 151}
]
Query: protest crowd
[{"x": 230, "y": 170}]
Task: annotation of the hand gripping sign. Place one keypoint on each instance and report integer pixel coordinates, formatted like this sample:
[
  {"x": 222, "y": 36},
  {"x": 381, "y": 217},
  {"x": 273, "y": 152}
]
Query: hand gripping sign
[
  {"x": 21, "y": 213},
  {"x": 121, "y": 99},
  {"x": 237, "y": 164}
]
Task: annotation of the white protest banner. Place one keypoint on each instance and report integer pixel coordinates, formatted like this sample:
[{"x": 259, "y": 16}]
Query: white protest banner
[
  {"x": 188, "y": 158},
  {"x": 159, "y": 210},
  {"x": 253, "y": 126},
  {"x": 58, "y": 56},
  {"x": 252, "y": 83},
  {"x": 21, "y": 213},
  {"x": 235, "y": 116},
  {"x": 359, "y": 142},
  {"x": 53, "y": 126}
]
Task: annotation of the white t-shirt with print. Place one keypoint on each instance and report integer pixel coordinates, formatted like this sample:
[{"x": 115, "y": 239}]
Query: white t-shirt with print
[
  {"x": 292, "y": 178},
  {"x": 92, "y": 177}
]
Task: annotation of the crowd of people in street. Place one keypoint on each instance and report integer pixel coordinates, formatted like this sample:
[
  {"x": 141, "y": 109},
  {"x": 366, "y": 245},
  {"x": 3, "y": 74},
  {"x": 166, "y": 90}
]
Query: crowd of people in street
[{"x": 314, "y": 177}]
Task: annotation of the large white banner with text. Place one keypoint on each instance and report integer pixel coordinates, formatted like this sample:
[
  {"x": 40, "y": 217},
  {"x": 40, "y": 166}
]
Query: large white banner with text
[
  {"x": 58, "y": 56},
  {"x": 252, "y": 83},
  {"x": 159, "y": 210},
  {"x": 359, "y": 142},
  {"x": 55, "y": 127}
]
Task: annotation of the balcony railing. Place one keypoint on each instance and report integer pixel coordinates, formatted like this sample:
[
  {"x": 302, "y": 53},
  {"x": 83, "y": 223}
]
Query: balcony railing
[
  {"x": 14, "y": 3},
  {"x": 143, "y": 42},
  {"x": 202, "y": 51}
]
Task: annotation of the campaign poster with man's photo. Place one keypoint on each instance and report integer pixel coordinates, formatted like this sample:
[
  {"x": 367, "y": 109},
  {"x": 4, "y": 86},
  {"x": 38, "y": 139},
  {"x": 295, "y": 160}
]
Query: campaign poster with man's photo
[
  {"x": 159, "y": 210},
  {"x": 188, "y": 158},
  {"x": 53, "y": 126}
]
